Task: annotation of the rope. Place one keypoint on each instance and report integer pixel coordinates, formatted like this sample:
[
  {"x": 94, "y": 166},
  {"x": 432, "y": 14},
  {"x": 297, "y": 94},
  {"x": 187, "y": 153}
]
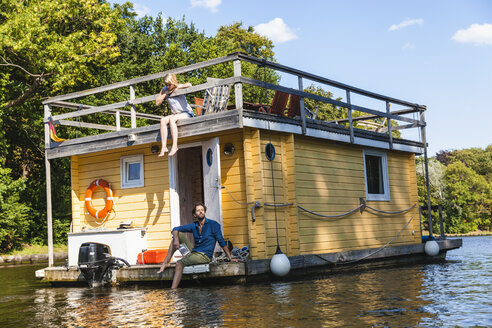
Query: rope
[
  {"x": 385, "y": 245},
  {"x": 331, "y": 216},
  {"x": 113, "y": 210},
  {"x": 391, "y": 212},
  {"x": 236, "y": 253},
  {"x": 278, "y": 205},
  {"x": 258, "y": 204},
  {"x": 273, "y": 185},
  {"x": 249, "y": 203}
]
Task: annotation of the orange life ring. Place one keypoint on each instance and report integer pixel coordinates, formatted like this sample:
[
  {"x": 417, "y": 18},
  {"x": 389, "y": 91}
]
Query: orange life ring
[{"x": 109, "y": 199}]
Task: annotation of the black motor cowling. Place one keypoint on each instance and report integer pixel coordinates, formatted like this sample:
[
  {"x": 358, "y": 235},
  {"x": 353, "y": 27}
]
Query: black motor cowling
[{"x": 96, "y": 263}]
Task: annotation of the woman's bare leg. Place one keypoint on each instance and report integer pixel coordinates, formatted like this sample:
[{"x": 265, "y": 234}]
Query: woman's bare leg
[
  {"x": 174, "y": 130},
  {"x": 164, "y": 123}
]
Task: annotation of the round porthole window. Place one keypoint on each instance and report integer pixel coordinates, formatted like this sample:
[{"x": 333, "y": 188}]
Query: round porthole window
[
  {"x": 209, "y": 157},
  {"x": 270, "y": 151}
]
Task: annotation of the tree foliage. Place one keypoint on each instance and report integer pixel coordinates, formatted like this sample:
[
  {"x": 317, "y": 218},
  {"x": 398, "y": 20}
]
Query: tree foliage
[
  {"x": 56, "y": 42},
  {"x": 460, "y": 180},
  {"x": 13, "y": 212}
]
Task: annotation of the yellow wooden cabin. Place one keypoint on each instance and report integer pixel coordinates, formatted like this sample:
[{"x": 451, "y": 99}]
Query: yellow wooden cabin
[{"x": 325, "y": 190}]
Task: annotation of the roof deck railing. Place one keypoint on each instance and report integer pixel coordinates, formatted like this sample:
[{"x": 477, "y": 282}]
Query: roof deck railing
[{"x": 128, "y": 107}]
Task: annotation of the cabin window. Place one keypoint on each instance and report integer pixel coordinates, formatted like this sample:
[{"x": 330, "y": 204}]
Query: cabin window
[
  {"x": 132, "y": 171},
  {"x": 376, "y": 174}
]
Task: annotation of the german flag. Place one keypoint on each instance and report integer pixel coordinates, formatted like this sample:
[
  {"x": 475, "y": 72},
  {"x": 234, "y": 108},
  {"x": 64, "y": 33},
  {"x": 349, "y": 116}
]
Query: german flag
[{"x": 53, "y": 135}]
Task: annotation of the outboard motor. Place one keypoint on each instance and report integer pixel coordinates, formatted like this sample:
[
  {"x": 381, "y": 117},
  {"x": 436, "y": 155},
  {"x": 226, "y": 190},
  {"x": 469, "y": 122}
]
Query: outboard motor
[{"x": 96, "y": 263}]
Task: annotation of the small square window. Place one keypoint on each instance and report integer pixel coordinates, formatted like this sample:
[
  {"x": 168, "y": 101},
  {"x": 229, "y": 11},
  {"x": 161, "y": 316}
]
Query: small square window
[
  {"x": 132, "y": 171},
  {"x": 376, "y": 175}
]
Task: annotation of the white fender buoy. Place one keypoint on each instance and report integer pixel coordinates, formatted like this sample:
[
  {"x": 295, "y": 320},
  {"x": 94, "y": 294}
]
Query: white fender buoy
[
  {"x": 280, "y": 264},
  {"x": 431, "y": 248}
]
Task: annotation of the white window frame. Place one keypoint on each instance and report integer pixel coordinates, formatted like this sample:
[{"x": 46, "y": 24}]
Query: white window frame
[
  {"x": 384, "y": 163},
  {"x": 124, "y": 160}
]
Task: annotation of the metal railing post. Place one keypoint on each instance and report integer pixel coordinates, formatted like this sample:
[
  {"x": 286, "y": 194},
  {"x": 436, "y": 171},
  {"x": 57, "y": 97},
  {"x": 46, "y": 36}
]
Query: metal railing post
[
  {"x": 301, "y": 103},
  {"x": 117, "y": 117},
  {"x": 389, "y": 125},
  {"x": 238, "y": 87},
  {"x": 133, "y": 113},
  {"x": 351, "y": 128},
  {"x": 427, "y": 183},
  {"x": 49, "y": 214}
]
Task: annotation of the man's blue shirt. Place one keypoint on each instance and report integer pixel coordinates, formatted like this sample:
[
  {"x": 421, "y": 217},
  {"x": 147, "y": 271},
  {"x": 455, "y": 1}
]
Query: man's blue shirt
[{"x": 204, "y": 242}]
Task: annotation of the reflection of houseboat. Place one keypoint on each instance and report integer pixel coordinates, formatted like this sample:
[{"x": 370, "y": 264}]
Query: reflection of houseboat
[{"x": 328, "y": 192}]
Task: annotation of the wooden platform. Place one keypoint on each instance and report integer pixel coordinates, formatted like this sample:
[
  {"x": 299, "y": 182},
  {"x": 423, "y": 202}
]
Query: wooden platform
[{"x": 259, "y": 270}]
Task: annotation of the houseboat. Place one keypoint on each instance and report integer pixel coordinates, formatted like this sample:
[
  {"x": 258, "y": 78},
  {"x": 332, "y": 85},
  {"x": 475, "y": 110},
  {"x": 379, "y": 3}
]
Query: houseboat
[{"x": 329, "y": 194}]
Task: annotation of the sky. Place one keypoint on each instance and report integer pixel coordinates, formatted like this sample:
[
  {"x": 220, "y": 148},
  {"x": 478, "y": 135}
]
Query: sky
[{"x": 436, "y": 53}]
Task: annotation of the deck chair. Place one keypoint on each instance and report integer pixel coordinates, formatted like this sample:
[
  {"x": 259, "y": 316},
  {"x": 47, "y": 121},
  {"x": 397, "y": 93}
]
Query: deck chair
[
  {"x": 198, "y": 106},
  {"x": 215, "y": 99},
  {"x": 279, "y": 103},
  {"x": 372, "y": 126},
  {"x": 295, "y": 108}
]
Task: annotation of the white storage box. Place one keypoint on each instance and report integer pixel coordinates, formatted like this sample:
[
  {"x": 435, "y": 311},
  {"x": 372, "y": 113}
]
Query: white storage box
[{"x": 123, "y": 243}]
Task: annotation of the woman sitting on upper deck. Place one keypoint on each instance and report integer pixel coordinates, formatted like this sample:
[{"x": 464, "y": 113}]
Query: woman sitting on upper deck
[{"x": 180, "y": 110}]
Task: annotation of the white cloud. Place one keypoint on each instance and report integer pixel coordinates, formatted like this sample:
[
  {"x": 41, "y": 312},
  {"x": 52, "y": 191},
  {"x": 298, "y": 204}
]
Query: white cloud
[
  {"x": 409, "y": 45},
  {"x": 476, "y": 34},
  {"x": 276, "y": 30},
  {"x": 406, "y": 23},
  {"x": 210, "y": 4},
  {"x": 141, "y": 10}
]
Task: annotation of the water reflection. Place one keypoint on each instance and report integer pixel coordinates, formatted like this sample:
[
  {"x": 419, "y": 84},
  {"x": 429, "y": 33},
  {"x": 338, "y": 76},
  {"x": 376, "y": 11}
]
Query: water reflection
[{"x": 457, "y": 292}]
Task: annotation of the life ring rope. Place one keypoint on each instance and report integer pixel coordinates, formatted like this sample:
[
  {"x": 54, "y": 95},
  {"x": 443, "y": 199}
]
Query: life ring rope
[{"x": 108, "y": 208}]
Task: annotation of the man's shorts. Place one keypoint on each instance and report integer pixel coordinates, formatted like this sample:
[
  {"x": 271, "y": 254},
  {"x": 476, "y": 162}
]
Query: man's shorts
[{"x": 194, "y": 257}]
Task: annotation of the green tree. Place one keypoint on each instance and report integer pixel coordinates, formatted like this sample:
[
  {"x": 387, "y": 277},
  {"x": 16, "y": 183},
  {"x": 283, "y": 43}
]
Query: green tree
[
  {"x": 469, "y": 199},
  {"x": 48, "y": 47},
  {"x": 54, "y": 42},
  {"x": 13, "y": 212},
  {"x": 478, "y": 159}
]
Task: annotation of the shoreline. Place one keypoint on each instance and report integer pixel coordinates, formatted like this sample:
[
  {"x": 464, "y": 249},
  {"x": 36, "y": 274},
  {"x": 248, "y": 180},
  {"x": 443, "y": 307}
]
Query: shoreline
[
  {"x": 472, "y": 234},
  {"x": 30, "y": 258},
  {"x": 478, "y": 233}
]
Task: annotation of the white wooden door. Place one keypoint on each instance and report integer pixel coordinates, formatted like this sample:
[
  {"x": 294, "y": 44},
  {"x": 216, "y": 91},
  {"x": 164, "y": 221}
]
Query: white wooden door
[
  {"x": 211, "y": 179},
  {"x": 173, "y": 191}
]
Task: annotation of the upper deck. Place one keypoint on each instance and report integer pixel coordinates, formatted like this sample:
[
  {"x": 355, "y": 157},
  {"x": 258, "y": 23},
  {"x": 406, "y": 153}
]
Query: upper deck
[{"x": 369, "y": 127}]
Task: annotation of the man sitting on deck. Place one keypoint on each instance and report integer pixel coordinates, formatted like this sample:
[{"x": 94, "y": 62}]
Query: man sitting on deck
[{"x": 206, "y": 232}]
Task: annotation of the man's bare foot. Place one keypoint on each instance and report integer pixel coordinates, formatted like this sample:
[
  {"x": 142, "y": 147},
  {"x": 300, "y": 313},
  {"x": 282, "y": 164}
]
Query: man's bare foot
[
  {"x": 163, "y": 151},
  {"x": 173, "y": 151},
  {"x": 163, "y": 267}
]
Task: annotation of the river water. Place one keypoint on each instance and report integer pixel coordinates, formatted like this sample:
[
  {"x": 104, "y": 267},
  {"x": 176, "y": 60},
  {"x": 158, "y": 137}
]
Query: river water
[{"x": 455, "y": 293}]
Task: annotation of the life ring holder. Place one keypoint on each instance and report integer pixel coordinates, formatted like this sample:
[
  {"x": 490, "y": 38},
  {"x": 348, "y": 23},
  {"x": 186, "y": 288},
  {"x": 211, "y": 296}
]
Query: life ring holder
[{"x": 99, "y": 214}]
